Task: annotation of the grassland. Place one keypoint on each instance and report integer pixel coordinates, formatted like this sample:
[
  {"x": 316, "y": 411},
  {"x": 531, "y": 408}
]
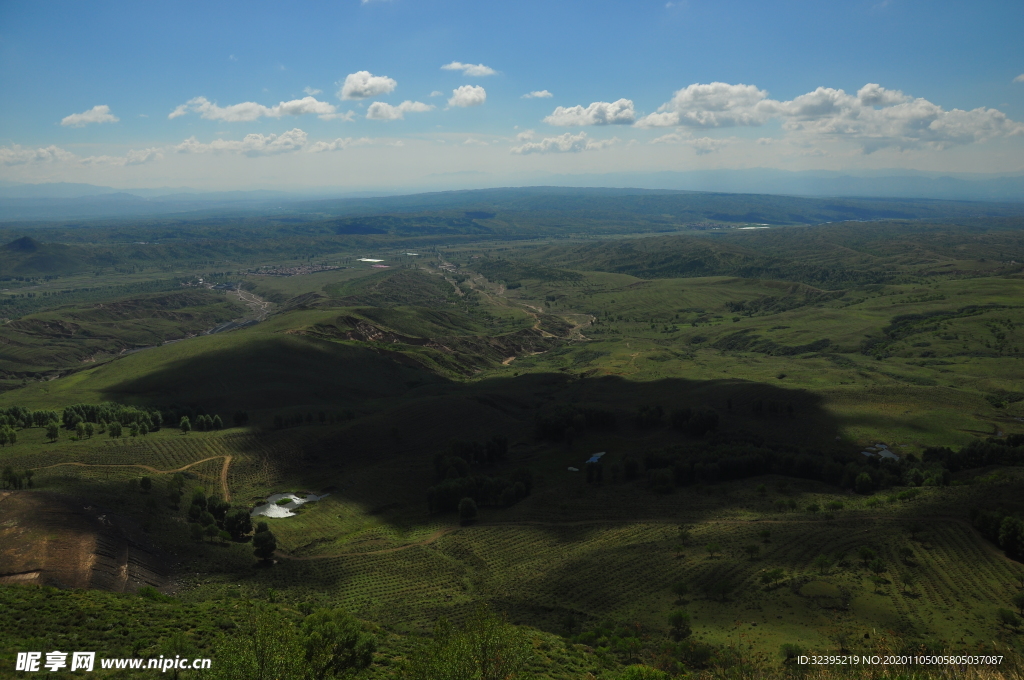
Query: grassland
[{"x": 813, "y": 342}]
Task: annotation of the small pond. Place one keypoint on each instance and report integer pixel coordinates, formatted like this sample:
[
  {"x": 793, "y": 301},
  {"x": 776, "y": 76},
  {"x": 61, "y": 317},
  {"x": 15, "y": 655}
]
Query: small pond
[{"x": 274, "y": 507}]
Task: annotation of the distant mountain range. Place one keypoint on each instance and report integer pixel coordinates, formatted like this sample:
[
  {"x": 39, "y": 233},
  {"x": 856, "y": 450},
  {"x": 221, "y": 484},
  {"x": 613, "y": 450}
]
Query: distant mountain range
[{"x": 64, "y": 201}]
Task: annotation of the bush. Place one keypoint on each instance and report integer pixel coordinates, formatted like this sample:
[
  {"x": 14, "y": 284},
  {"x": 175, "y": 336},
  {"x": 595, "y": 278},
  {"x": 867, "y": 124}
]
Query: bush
[{"x": 467, "y": 510}]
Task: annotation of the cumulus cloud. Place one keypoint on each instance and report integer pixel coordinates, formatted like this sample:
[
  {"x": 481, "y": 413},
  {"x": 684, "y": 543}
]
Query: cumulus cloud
[
  {"x": 437, "y": 93},
  {"x": 250, "y": 111},
  {"x": 1019, "y": 79},
  {"x": 251, "y": 145},
  {"x": 338, "y": 144},
  {"x": 537, "y": 94},
  {"x": 525, "y": 136},
  {"x": 97, "y": 114},
  {"x": 476, "y": 70},
  {"x": 564, "y": 143},
  {"x": 468, "y": 95},
  {"x": 382, "y": 111},
  {"x": 875, "y": 117},
  {"x": 19, "y": 155},
  {"x": 710, "y": 105},
  {"x": 598, "y": 113},
  {"x": 312, "y": 91},
  {"x": 363, "y": 84}
]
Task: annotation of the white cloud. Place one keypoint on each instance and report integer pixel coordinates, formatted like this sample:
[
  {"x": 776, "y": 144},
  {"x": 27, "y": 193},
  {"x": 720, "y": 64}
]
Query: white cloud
[
  {"x": 875, "y": 117},
  {"x": 251, "y": 145},
  {"x": 701, "y": 146},
  {"x": 250, "y": 111},
  {"x": 347, "y": 117},
  {"x": 1019, "y": 79},
  {"x": 710, "y": 105},
  {"x": 382, "y": 111},
  {"x": 525, "y": 136},
  {"x": 97, "y": 114},
  {"x": 564, "y": 143},
  {"x": 18, "y": 155},
  {"x": 475, "y": 142},
  {"x": 312, "y": 91},
  {"x": 363, "y": 84},
  {"x": 338, "y": 144},
  {"x": 537, "y": 94},
  {"x": 476, "y": 70},
  {"x": 468, "y": 95},
  {"x": 598, "y": 113},
  {"x": 437, "y": 93}
]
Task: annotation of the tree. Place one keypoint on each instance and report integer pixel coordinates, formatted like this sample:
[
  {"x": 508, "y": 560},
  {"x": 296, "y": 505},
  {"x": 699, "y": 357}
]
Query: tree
[
  {"x": 80, "y": 430},
  {"x": 211, "y": 531},
  {"x": 114, "y": 430},
  {"x": 721, "y": 588},
  {"x": 238, "y": 523},
  {"x": 877, "y": 566},
  {"x": 196, "y": 530},
  {"x": 52, "y": 430},
  {"x": 217, "y": 423},
  {"x": 906, "y": 554},
  {"x": 467, "y": 510},
  {"x": 863, "y": 484},
  {"x": 486, "y": 647},
  {"x": 266, "y": 647},
  {"x": 1006, "y": 618},
  {"x": 146, "y": 484},
  {"x": 174, "y": 495},
  {"x": 1018, "y": 602},
  {"x": 143, "y": 429},
  {"x": 334, "y": 644},
  {"x": 772, "y": 576},
  {"x": 790, "y": 652},
  {"x": 264, "y": 544},
  {"x": 866, "y": 554},
  {"x": 28, "y": 477},
  {"x": 185, "y": 425},
  {"x": 752, "y": 551},
  {"x": 680, "y": 590},
  {"x": 822, "y": 562},
  {"x": 90, "y": 430},
  {"x": 712, "y": 548},
  {"x": 679, "y": 620}
]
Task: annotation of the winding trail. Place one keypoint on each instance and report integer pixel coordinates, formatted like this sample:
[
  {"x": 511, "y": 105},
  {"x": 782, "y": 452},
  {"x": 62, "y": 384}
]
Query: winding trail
[{"x": 225, "y": 491}]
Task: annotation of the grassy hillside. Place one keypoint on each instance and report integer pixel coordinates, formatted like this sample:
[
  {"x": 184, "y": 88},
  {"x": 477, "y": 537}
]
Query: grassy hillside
[{"x": 768, "y": 402}]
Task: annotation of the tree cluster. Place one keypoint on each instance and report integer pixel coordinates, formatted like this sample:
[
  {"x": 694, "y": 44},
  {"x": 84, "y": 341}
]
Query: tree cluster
[
  {"x": 212, "y": 517},
  {"x": 108, "y": 413},
  {"x": 12, "y": 479},
  {"x": 282, "y": 421},
  {"x": 1004, "y": 529},
  {"x": 456, "y": 480},
  {"x": 565, "y": 422}
]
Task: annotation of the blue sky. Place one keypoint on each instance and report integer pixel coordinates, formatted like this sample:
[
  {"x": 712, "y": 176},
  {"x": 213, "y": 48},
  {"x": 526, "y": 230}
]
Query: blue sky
[{"x": 239, "y": 95}]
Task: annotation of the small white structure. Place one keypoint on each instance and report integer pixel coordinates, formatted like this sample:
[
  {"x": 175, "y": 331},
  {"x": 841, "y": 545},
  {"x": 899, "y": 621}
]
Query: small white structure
[
  {"x": 596, "y": 458},
  {"x": 368, "y": 259},
  {"x": 273, "y": 510},
  {"x": 572, "y": 469}
]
